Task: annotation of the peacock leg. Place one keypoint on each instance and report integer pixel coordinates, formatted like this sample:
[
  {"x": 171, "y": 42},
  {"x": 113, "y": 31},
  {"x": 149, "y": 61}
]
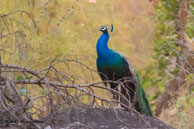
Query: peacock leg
[{"x": 115, "y": 87}]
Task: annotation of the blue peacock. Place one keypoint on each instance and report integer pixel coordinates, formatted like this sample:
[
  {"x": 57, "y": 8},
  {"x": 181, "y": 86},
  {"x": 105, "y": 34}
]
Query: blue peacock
[{"x": 115, "y": 66}]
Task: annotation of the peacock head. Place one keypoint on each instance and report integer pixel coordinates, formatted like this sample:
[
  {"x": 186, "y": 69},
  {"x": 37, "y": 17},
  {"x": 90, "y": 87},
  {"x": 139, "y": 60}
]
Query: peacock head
[{"x": 104, "y": 29}]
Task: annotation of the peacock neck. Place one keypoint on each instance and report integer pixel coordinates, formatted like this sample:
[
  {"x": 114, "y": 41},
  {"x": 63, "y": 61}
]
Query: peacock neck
[{"x": 102, "y": 46}]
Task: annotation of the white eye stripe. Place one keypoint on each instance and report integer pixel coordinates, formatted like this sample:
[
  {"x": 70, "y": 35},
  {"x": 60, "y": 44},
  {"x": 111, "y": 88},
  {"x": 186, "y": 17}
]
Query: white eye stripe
[{"x": 103, "y": 28}]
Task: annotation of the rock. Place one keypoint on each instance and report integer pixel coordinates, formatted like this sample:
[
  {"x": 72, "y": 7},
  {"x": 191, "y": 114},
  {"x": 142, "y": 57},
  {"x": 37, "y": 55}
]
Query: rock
[
  {"x": 109, "y": 118},
  {"x": 94, "y": 118}
]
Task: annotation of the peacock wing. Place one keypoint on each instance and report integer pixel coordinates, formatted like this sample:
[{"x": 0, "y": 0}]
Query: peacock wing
[
  {"x": 140, "y": 98},
  {"x": 129, "y": 67}
]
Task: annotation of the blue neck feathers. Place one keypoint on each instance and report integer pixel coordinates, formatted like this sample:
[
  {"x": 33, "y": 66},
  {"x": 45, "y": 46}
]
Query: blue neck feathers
[{"x": 102, "y": 46}]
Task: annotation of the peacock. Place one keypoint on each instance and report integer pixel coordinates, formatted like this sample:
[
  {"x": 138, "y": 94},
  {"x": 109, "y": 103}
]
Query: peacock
[{"x": 114, "y": 66}]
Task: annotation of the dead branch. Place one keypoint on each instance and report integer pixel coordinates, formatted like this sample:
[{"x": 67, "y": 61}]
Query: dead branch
[{"x": 21, "y": 105}]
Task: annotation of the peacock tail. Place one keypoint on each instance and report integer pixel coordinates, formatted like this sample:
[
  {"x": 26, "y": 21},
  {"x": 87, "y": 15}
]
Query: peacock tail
[{"x": 143, "y": 101}]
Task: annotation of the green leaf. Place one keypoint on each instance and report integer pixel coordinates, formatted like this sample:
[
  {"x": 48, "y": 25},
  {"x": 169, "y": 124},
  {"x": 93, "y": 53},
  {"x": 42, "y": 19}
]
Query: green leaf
[{"x": 19, "y": 77}]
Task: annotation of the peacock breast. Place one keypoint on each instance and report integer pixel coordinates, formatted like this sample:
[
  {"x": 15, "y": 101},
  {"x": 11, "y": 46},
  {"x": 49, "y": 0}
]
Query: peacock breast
[{"x": 113, "y": 68}]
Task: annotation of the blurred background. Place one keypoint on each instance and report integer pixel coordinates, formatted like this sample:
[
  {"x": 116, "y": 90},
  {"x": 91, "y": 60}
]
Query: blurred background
[{"x": 147, "y": 31}]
